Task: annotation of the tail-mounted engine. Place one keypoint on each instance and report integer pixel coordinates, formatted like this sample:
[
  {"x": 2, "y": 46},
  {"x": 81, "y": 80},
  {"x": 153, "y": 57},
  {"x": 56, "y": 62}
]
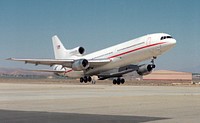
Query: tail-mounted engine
[
  {"x": 77, "y": 51},
  {"x": 81, "y": 64},
  {"x": 145, "y": 69}
]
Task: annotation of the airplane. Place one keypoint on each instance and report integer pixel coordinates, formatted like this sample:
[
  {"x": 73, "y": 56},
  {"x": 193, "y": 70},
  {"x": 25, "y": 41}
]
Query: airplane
[{"x": 112, "y": 62}]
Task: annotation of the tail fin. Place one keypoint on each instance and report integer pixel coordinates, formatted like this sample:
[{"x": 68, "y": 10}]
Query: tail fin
[{"x": 59, "y": 50}]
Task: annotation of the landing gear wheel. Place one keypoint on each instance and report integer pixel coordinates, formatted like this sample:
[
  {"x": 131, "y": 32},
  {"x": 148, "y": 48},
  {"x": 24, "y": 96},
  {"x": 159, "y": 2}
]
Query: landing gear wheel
[
  {"x": 81, "y": 80},
  {"x": 85, "y": 79},
  {"x": 153, "y": 66},
  {"x": 122, "y": 81},
  {"x": 152, "y": 62},
  {"x": 114, "y": 81},
  {"x": 89, "y": 79},
  {"x": 118, "y": 81}
]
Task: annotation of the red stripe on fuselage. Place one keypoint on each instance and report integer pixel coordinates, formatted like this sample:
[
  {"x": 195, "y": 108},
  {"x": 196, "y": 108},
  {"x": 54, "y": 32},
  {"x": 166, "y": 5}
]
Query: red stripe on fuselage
[
  {"x": 67, "y": 71},
  {"x": 136, "y": 49}
]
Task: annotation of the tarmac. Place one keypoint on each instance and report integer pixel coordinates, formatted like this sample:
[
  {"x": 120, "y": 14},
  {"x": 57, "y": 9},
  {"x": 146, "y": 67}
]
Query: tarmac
[{"x": 75, "y": 103}]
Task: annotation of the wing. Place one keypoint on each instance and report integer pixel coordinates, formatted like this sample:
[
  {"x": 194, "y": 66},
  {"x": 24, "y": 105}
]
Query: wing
[
  {"x": 98, "y": 62},
  {"x": 50, "y": 62},
  {"x": 64, "y": 62}
]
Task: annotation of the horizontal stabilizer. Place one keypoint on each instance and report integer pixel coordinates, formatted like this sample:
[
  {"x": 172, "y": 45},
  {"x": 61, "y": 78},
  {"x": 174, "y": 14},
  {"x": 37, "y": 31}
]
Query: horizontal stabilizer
[{"x": 50, "y": 71}]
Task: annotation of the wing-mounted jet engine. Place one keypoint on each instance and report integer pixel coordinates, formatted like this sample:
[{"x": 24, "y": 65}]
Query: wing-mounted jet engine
[
  {"x": 145, "y": 69},
  {"x": 80, "y": 64}
]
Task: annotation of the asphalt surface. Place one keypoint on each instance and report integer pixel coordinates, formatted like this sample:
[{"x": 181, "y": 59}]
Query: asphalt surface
[{"x": 68, "y": 103}]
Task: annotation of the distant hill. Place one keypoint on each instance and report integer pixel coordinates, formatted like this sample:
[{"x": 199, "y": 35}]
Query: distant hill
[{"x": 19, "y": 71}]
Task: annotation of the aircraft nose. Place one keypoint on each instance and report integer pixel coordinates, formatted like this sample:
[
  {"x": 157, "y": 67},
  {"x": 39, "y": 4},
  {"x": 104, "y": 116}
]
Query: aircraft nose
[
  {"x": 172, "y": 42},
  {"x": 168, "y": 45}
]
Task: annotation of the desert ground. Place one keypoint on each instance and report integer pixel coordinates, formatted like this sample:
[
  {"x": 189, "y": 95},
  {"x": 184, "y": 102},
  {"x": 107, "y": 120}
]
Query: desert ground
[{"x": 68, "y": 101}]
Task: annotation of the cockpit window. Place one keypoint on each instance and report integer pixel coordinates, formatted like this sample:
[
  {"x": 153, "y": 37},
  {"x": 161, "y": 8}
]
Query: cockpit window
[{"x": 165, "y": 37}]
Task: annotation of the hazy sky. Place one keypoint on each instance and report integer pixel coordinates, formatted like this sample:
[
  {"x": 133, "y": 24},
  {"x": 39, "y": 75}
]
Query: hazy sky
[{"x": 26, "y": 27}]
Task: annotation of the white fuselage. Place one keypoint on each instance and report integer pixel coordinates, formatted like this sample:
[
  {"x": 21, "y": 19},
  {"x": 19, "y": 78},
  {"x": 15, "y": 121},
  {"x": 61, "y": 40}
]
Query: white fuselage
[{"x": 130, "y": 52}]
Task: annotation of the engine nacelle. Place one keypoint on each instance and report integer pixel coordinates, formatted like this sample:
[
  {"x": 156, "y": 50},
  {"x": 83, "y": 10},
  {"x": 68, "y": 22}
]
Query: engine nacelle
[
  {"x": 145, "y": 69},
  {"x": 77, "y": 51},
  {"x": 81, "y": 64}
]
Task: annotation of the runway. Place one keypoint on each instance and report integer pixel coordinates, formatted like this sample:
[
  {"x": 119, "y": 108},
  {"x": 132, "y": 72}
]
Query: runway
[{"x": 61, "y": 102}]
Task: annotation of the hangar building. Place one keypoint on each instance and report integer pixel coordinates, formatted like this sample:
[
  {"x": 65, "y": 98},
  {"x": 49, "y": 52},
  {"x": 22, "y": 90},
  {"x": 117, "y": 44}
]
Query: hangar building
[{"x": 168, "y": 75}]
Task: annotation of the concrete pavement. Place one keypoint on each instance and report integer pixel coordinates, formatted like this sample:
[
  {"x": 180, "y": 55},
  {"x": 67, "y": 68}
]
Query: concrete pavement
[{"x": 40, "y": 102}]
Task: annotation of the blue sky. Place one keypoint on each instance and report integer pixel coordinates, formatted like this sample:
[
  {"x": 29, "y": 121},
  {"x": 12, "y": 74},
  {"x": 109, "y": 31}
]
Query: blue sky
[{"x": 26, "y": 27}]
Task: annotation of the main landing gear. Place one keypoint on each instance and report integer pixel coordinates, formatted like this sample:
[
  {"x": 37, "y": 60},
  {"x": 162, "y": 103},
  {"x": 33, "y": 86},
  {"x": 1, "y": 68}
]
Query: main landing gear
[
  {"x": 118, "y": 81},
  {"x": 86, "y": 79}
]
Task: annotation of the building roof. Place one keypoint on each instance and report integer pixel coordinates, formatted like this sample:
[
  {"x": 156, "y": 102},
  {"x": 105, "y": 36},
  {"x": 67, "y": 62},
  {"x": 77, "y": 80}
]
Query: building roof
[
  {"x": 168, "y": 75},
  {"x": 168, "y": 72}
]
